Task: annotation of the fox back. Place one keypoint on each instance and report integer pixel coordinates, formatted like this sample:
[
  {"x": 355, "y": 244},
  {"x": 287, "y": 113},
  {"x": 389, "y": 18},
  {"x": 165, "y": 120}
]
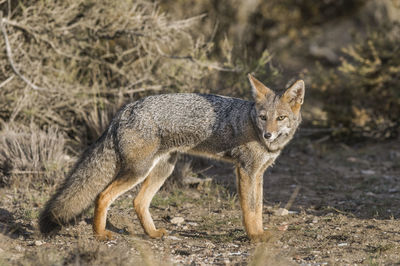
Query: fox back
[
  {"x": 188, "y": 121},
  {"x": 211, "y": 124}
]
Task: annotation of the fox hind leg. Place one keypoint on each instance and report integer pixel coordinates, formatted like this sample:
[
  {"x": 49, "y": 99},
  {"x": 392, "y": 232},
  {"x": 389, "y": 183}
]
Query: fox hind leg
[
  {"x": 150, "y": 186},
  {"x": 120, "y": 185},
  {"x": 127, "y": 178}
]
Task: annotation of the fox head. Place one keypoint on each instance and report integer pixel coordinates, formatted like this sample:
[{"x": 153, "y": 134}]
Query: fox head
[{"x": 276, "y": 117}]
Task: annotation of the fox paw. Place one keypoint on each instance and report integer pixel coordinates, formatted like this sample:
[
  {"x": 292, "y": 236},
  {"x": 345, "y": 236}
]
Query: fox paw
[
  {"x": 159, "y": 233},
  {"x": 104, "y": 236},
  {"x": 262, "y": 237}
]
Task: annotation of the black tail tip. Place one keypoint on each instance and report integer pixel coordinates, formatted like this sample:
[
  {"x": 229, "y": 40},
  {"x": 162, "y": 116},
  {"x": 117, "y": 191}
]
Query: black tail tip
[{"x": 47, "y": 224}]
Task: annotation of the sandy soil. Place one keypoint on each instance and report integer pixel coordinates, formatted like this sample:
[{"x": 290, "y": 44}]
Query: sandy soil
[{"x": 343, "y": 205}]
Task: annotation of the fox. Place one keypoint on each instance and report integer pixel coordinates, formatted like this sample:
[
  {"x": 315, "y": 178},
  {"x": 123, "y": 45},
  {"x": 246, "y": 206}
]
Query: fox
[{"x": 143, "y": 140}]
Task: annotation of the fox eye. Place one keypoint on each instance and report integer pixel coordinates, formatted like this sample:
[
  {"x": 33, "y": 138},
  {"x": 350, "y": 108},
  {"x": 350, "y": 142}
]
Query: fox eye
[
  {"x": 263, "y": 117},
  {"x": 281, "y": 117}
]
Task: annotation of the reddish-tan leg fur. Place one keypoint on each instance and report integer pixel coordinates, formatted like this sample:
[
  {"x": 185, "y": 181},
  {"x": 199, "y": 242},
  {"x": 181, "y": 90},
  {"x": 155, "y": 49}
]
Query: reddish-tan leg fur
[
  {"x": 104, "y": 200},
  {"x": 124, "y": 182},
  {"x": 251, "y": 201},
  {"x": 149, "y": 188}
]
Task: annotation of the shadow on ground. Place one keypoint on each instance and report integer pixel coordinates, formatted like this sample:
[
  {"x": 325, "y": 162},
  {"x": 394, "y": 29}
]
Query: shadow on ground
[{"x": 361, "y": 181}]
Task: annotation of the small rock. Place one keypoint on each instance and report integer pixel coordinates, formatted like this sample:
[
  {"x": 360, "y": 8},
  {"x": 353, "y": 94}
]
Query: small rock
[
  {"x": 83, "y": 223},
  {"x": 352, "y": 159},
  {"x": 342, "y": 244},
  {"x": 177, "y": 220},
  {"x": 389, "y": 177},
  {"x": 19, "y": 248},
  {"x": 173, "y": 238},
  {"x": 188, "y": 205},
  {"x": 111, "y": 243},
  {"x": 283, "y": 227},
  {"x": 38, "y": 243},
  {"x": 315, "y": 220},
  {"x": 394, "y": 154},
  {"x": 367, "y": 172},
  {"x": 209, "y": 245},
  {"x": 281, "y": 212},
  {"x": 194, "y": 224}
]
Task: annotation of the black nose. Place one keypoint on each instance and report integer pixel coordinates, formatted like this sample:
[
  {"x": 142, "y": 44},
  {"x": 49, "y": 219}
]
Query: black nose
[{"x": 267, "y": 135}]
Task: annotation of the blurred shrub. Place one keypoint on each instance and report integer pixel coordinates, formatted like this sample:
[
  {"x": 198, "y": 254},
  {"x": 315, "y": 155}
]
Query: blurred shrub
[
  {"x": 254, "y": 30},
  {"x": 255, "y": 25},
  {"x": 28, "y": 152},
  {"x": 86, "y": 57},
  {"x": 363, "y": 94}
]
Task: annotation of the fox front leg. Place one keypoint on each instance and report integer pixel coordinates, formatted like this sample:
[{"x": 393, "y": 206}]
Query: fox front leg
[{"x": 250, "y": 188}]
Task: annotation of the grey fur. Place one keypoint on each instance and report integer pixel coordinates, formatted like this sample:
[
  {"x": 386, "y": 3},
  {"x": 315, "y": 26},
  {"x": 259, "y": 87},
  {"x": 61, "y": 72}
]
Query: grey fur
[{"x": 210, "y": 125}]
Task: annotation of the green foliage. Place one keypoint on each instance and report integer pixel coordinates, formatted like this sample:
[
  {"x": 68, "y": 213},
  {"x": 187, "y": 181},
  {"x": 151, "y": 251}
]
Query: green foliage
[{"x": 363, "y": 92}]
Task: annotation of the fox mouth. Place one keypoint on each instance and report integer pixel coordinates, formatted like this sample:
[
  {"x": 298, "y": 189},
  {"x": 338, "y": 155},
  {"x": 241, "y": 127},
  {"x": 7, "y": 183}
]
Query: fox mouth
[{"x": 272, "y": 140}]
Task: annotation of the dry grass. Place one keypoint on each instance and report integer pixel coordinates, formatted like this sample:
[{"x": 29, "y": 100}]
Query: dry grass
[
  {"x": 66, "y": 60},
  {"x": 31, "y": 152}
]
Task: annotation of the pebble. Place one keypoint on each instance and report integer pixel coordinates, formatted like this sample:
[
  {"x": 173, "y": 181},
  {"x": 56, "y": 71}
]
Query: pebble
[
  {"x": 38, "y": 243},
  {"x": 193, "y": 224},
  {"x": 367, "y": 172},
  {"x": 177, "y": 220},
  {"x": 19, "y": 248},
  {"x": 173, "y": 238},
  {"x": 209, "y": 245},
  {"x": 281, "y": 212},
  {"x": 283, "y": 227}
]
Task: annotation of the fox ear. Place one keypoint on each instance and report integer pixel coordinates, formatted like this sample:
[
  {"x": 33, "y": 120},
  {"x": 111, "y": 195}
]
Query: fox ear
[
  {"x": 259, "y": 90},
  {"x": 294, "y": 96}
]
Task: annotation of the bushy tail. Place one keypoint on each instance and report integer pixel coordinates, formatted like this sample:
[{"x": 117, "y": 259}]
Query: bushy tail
[{"x": 90, "y": 175}]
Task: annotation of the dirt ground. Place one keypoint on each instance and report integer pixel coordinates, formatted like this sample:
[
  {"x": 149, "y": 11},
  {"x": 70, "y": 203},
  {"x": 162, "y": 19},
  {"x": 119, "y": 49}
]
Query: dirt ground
[{"x": 343, "y": 209}]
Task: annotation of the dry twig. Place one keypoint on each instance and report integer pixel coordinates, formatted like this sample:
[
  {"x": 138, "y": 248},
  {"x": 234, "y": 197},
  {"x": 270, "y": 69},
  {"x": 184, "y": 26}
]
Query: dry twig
[{"x": 10, "y": 57}]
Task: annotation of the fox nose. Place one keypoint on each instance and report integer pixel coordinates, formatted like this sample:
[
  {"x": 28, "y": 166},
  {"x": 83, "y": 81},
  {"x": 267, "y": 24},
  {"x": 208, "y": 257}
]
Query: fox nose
[{"x": 267, "y": 135}]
